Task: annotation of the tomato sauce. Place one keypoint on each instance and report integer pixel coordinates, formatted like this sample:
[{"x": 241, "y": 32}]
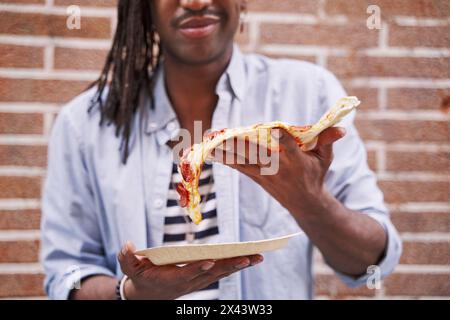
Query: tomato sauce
[{"x": 184, "y": 195}]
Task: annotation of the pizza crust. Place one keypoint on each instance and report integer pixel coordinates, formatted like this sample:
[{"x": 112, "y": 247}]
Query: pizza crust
[{"x": 192, "y": 160}]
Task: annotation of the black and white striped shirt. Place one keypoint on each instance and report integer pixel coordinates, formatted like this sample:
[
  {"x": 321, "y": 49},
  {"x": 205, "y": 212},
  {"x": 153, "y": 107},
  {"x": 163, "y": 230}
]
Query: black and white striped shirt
[{"x": 178, "y": 228}]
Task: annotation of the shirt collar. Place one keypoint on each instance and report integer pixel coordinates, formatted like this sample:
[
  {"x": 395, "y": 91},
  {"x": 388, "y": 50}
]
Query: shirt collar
[
  {"x": 236, "y": 74},
  {"x": 163, "y": 116},
  {"x": 162, "y": 113}
]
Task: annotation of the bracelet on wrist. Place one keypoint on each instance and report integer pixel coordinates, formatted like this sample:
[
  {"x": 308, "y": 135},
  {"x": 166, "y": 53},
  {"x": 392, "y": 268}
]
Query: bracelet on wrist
[{"x": 120, "y": 288}]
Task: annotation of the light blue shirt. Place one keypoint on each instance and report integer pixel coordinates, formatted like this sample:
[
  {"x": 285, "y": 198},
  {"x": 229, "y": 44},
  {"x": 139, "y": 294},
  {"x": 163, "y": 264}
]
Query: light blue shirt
[{"x": 92, "y": 203}]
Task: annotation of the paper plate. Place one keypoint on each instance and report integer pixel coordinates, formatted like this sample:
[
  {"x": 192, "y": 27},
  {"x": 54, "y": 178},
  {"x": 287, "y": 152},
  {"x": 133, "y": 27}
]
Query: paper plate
[{"x": 194, "y": 252}]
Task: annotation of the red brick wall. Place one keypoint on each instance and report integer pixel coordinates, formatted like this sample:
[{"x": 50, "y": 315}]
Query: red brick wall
[{"x": 401, "y": 73}]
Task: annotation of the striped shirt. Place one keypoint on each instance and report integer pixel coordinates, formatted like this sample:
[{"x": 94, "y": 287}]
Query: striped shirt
[{"x": 178, "y": 228}]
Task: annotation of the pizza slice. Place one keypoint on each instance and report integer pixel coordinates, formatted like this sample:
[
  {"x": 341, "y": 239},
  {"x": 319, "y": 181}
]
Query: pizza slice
[{"x": 190, "y": 166}]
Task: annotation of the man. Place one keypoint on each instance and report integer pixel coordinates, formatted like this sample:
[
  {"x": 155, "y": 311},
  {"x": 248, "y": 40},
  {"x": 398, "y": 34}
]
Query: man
[{"x": 110, "y": 176}]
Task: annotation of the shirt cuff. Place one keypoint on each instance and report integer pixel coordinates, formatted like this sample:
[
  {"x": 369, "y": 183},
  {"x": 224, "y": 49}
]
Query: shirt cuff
[
  {"x": 64, "y": 284},
  {"x": 391, "y": 257}
]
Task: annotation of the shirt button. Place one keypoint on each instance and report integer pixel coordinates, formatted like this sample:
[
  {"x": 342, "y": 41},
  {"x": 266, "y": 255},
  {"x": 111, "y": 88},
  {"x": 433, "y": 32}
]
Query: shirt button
[
  {"x": 158, "y": 203},
  {"x": 171, "y": 126},
  {"x": 153, "y": 125}
]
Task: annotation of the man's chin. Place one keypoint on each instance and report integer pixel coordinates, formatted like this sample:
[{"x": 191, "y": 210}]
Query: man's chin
[{"x": 199, "y": 53}]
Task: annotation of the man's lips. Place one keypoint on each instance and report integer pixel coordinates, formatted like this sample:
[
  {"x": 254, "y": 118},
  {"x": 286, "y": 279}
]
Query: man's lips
[{"x": 198, "y": 27}]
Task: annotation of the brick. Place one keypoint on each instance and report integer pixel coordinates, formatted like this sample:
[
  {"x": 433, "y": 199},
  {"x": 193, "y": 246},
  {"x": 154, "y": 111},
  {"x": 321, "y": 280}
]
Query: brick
[
  {"x": 418, "y": 161},
  {"x": 408, "y": 36},
  {"x": 24, "y": 1},
  {"x": 319, "y": 35},
  {"x": 421, "y": 222},
  {"x": 403, "y": 130},
  {"x": 372, "y": 160},
  {"x": 87, "y": 59},
  {"x": 30, "y": 90},
  {"x": 331, "y": 286},
  {"x": 365, "y": 66},
  {"x": 418, "y": 98},
  {"x": 19, "y": 219},
  {"x": 288, "y": 6},
  {"x": 307, "y": 58},
  {"x": 415, "y": 191},
  {"x": 420, "y": 8},
  {"x": 53, "y": 25},
  {"x": 19, "y": 251},
  {"x": 87, "y": 3},
  {"x": 33, "y": 156},
  {"x": 21, "y": 285},
  {"x": 242, "y": 38},
  {"x": 12, "y": 56},
  {"x": 418, "y": 284},
  {"x": 20, "y": 187},
  {"x": 21, "y": 123},
  {"x": 426, "y": 253},
  {"x": 367, "y": 96}
]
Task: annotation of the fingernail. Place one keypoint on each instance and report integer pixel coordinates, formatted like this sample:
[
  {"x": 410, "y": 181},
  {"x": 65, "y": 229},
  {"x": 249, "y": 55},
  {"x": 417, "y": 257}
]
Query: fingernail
[
  {"x": 207, "y": 266},
  {"x": 257, "y": 261},
  {"x": 128, "y": 246},
  {"x": 242, "y": 264},
  {"x": 342, "y": 131}
]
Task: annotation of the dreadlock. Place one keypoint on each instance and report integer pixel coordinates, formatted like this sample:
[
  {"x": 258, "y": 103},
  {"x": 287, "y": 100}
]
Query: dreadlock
[{"x": 130, "y": 67}]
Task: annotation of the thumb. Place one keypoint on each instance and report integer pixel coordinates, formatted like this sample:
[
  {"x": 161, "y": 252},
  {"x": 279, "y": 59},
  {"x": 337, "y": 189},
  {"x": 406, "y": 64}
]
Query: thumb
[
  {"x": 331, "y": 135},
  {"x": 285, "y": 139},
  {"x": 324, "y": 147},
  {"x": 128, "y": 261}
]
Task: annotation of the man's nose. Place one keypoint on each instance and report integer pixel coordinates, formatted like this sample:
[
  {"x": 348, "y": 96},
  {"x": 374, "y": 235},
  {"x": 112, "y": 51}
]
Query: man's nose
[{"x": 195, "y": 5}]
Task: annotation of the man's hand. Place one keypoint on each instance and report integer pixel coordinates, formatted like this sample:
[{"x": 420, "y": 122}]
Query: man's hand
[
  {"x": 349, "y": 241},
  {"x": 148, "y": 281},
  {"x": 299, "y": 181}
]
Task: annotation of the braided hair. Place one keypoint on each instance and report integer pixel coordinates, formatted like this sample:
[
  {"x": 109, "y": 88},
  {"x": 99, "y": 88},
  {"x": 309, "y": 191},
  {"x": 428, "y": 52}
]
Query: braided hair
[{"x": 129, "y": 68}]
